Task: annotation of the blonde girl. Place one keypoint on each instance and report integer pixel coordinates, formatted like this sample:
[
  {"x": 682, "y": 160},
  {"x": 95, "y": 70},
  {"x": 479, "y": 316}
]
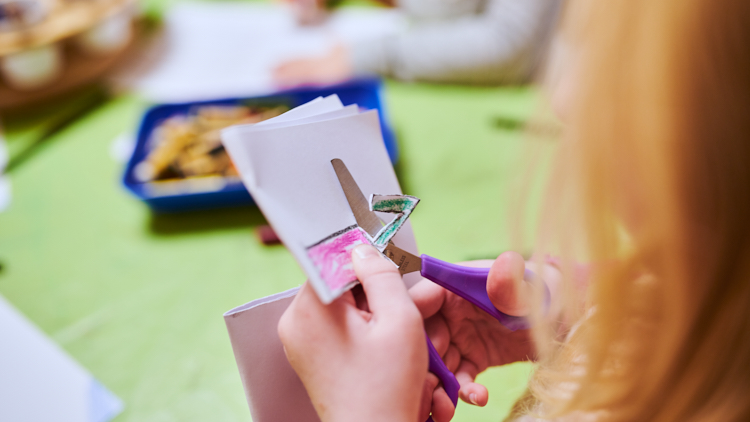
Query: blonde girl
[{"x": 651, "y": 189}]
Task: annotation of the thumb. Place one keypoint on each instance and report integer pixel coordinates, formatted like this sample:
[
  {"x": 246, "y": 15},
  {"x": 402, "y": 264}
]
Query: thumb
[
  {"x": 506, "y": 287},
  {"x": 381, "y": 281}
]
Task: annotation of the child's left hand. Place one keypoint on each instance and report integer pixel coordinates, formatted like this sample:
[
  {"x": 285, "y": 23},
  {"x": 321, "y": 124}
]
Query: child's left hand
[
  {"x": 357, "y": 364},
  {"x": 333, "y": 67}
]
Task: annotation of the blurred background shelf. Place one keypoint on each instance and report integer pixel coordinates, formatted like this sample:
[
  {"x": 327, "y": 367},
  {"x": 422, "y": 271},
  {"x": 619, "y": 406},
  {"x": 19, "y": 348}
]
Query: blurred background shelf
[
  {"x": 80, "y": 70},
  {"x": 61, "y": 19}
]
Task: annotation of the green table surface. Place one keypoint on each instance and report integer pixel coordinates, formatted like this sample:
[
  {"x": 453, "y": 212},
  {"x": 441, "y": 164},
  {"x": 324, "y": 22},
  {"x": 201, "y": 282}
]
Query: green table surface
[{"x": 138, "y": 298}]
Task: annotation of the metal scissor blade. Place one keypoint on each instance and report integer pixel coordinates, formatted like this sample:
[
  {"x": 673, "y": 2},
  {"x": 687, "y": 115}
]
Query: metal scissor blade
[
  {"x": 366, "y": 219},
  {"x": 405, "y": 261},
  {"x": 369, "y": 221}
]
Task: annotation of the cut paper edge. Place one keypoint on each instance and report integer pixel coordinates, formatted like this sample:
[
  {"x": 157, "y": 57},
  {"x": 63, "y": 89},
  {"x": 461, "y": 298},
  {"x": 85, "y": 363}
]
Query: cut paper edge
[
  {"x": 262, "y": 301},
  {"x": 331, "y": 256},
  {"x": 401, "y": 205}
]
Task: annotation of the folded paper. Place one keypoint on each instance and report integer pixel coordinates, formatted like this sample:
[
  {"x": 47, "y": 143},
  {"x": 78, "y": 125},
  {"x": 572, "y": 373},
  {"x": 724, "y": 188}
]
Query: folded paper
[
  {"x": 285, "y": 163},
  {"x": 272, "y": 388},
  {"x": 332, "y": 257}
]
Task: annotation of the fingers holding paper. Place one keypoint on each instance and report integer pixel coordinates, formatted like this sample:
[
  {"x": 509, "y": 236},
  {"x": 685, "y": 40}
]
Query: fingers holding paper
[{"x": 357, "y": 364}]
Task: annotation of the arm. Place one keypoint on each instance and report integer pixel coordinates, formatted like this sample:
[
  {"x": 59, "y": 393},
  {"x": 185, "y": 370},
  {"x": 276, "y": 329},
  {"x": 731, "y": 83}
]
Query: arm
[{"x": 499, "y": 45}]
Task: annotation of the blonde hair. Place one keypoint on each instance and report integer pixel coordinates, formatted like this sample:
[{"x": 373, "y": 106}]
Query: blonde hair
[{"x": 653, "y": 187}]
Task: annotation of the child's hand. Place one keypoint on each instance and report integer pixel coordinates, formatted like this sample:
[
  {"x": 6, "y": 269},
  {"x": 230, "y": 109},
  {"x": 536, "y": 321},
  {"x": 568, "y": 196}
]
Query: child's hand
[
  {"x": 359, "y": 364},
  {"x": 468, "y": 338},
  {"x": 308, "y": 12},
  {"x": 332, "y": 67}
]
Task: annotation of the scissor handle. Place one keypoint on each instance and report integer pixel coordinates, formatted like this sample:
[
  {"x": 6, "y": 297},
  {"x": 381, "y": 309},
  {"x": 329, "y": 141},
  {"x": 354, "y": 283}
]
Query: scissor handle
[
  {"x": 437, "y": 367},
  {"x": 471, "y": 284}
]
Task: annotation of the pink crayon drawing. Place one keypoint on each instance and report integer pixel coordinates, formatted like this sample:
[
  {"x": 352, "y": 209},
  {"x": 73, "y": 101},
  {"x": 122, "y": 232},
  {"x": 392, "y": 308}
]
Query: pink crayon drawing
[{"x": 333, "y": 257}]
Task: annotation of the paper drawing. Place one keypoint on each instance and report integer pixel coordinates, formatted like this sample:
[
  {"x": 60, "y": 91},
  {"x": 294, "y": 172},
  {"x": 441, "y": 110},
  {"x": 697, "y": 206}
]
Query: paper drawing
[
  {"x": 402, "y": 205},
  {"x": 285, "y": 165},
  {"x": 332, "y": 257}
]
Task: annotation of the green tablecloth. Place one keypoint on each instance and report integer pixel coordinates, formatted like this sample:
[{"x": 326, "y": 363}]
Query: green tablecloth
[{"x": 138, "y": 299}]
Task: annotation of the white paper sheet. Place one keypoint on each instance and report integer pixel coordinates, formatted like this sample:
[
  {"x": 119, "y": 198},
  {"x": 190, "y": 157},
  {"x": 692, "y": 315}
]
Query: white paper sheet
[
  {"x": 316, "y": 110},
  {"x": 274, "y": 392},
  {"x": 40, "y": 382},
  {"x": 317, "y": 106},
  {"x": 229, "y": 49}
]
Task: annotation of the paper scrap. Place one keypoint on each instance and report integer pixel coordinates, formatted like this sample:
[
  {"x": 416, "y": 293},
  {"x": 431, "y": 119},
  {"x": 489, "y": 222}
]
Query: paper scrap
[
  {"x": 332, "y": 257},
  {"x": 401, "y": 205}
]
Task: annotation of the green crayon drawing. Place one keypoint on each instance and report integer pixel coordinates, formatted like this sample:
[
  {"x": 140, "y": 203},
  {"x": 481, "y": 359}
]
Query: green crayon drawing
[{"x": 402, "y": 205}]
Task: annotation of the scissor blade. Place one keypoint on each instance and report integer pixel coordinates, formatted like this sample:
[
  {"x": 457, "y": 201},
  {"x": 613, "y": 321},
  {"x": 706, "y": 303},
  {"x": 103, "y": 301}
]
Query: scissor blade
[
  {"x": 405, "y": 261},
  {"x": 370, "y": 221},
  {"x": 366, "y": 219}
]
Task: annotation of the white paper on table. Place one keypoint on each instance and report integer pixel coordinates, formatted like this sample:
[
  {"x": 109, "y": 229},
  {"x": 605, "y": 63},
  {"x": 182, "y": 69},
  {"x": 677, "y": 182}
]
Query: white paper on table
[
  {"x": 288, "y": 172},
  {"x": 40, "y": 382},
  {"x": 230, "y": 49}
]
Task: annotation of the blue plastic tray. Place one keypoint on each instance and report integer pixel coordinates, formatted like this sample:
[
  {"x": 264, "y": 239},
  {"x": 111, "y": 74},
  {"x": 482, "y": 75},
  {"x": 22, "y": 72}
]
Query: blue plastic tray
[{"x": 366, "y": 93}]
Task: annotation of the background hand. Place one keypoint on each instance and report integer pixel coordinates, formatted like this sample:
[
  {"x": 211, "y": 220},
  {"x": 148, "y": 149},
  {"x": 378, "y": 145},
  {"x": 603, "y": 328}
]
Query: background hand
[
  {"x": 333, "y": 67},
  {"x": 308, "y": 12}
]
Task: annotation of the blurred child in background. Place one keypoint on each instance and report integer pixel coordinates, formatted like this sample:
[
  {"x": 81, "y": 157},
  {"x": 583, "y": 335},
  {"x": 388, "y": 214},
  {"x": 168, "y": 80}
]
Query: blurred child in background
[
  {"x": 466, "y": 41},
  {"x": 651, "y": 187}
]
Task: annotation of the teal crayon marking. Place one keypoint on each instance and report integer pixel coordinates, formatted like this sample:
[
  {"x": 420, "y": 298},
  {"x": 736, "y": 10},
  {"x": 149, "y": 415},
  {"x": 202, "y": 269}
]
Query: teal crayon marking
[
  {"x": 402, "y": 205},
  {"x": 395, "y": 204}
]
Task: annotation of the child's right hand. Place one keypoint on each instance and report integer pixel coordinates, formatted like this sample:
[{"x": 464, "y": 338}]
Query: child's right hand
[{"x": 469, "y": 339}]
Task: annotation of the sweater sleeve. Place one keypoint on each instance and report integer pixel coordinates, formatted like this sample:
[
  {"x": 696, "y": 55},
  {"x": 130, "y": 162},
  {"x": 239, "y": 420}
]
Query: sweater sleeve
[{"x": 500, "y": 44}]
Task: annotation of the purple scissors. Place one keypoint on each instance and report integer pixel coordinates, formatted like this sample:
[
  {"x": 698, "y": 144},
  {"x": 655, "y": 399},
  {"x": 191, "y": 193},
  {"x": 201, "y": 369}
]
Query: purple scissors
[{"x": 468, "y": 282}]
